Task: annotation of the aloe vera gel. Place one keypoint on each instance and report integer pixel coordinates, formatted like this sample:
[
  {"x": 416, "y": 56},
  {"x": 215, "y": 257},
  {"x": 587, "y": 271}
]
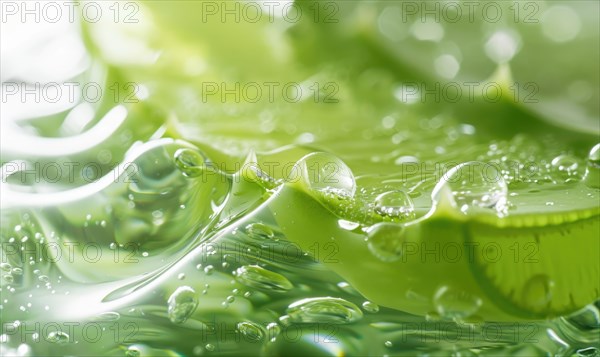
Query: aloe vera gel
[{"x": 300, "y": 178}]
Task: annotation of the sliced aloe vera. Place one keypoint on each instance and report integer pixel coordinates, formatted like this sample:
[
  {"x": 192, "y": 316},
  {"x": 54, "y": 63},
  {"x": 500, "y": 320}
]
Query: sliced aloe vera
[{"x": 456, "y": 266}]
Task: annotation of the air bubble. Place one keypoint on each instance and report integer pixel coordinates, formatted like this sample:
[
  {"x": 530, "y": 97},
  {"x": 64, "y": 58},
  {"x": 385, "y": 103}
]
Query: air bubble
[
  {"x": 455, "y": 304},
  {"x": 592, "y": 170},
  {"x": 537, "y": 291},
  {"x": 325, "y": 173},
  {"x": 260, "y": 278},
  {"x": 190, "y": 162},
  {"x": 250, "y": 331},
  {"x": 259, "y": 231},
  {"x": 395, "y": 204},
  {"x": 58, "y": 337},
  {"x": 472, "y": 186},
  {"x": 182, "y": 304},
  {"x": 384, "y": 240},
  {"x": 368, "y": 306},
  {"x": 324, "y": 310}
]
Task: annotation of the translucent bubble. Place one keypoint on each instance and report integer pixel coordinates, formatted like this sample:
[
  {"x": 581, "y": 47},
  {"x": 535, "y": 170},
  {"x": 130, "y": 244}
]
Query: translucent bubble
[
  {"x": 273, "y": 331},
  {"x": 454, "y": 303},
  {"x": 190, "y": 162},
  {"x": 182, "y": 304},
  {"x": 473, "y": 186},
  {"x": 324, "y": 310},
  {"x": 261, "y": 278},
  {"x": 395, "y": 204},
  {"x": 250, "y": 331},
  {"x": 6, "y": 267},
  {"x": 385, "y": 241},
  {"x": 368, "y": 306},
  {"x": 259, "y": 231},
  {"x": 132, "y": 351},
  {"x": 58, "y": 337},
  {"x": 594, "y": 155},
  {"x": 108, "y": 316},
  {"x": 251, "y": 170},
  {"x": 565, "y": 164},
  {"x": 209, "y": 347},
  {"x": 325, "y": 173},
  {"x": 592, "y": 171},
  {"x": 537, "y": 291},
  {"x": 208, "y": 269}
]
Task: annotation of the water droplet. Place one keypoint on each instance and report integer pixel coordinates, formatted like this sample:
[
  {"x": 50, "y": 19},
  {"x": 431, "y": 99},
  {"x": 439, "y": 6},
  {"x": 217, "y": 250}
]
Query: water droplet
[
  {"x": 17, "y": 271},
  {"x": 58, "y": 337},
  {"x": 472, "y": 186},
  {"x": 190, "y": 162},
  {"x": 6, "y": 267},
  {"x": 324, "y": 310},
  {"x": 273, "y": 330},
  {"x": 592, "y": 171},
  {"x": 108, "y": 316},
  {"x": 208, "y": 269},
  {"x": 565, "y": 165},
  {"x": 260, "y": 278},
  {"x": 9, "y": 278},
  {"x": 388, "y": 344},
  {"x": 594, "y": 156},
  {"x": 384, "y": 240},
  {"x": 259, "y": 231},
  {"x": 537, "y": 291},
  {"x": 370, "y": 307},
  {"x": 250, "y": 331},
  {"x": 181, "y": 276},
  {"x": 454, "y": 303},
  {"x": 395, "y": 204},
  {"x": 132, "y": 351},
  {"x": 209, "y": 347},
  {"x": 252, "y": 171},
  {"x": 325, "y": 173},
  {"x": 182, "y": 304}
]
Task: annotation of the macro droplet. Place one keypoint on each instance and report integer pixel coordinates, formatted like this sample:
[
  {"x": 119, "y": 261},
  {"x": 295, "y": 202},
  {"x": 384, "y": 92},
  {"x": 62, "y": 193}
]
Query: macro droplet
[
  {"x": 259, "y": 231},
  {"x": 323, "y": 310},
  {"x": 395, "y": 204},
  {"x": 132, "y": 351},
  {"x": 472, "y": 186},
  {"x": 454, "y": 303},
  {"x": 273, "y": 330},
  {"x": 190, "y": 162},
  {"x": 325, "y": 173},
  {"x": 537, "y": 291},
  {"x": 251, "y": 331},
  {"x": 58, "y": 337},
  {"x": 385, "y": 241},
  {"x": 371, "y": 307},
  {"x": 565, "y": 167},
  {"x": 182, "y": 304},
  {"x": 257, "y": 277},
  {"x": 592, "y": 170}
]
